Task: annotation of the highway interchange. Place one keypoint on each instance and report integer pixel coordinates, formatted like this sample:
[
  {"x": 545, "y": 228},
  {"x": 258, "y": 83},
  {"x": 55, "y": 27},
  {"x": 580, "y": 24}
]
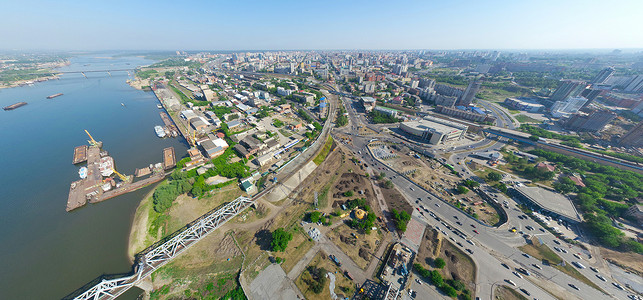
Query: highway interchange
[{"x": 493, "y": 246}]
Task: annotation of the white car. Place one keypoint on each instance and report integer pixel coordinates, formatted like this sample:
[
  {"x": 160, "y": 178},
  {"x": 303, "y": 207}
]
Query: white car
[
  {"x": 510, "y": 282},
  {"x": 517, "y": 274}
]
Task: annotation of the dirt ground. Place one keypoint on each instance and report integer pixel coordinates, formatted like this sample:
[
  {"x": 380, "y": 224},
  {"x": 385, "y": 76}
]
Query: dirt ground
[
  {"x": 358, "y": 184},
  {"x": 504, "y": 292},
  {"x": 343, "y": 285},
  {"x": 358, "y": 249},
  {"x": 395, "y": 200},
  {"x": 628, "y": 260},
  {"x": 209, "y": 268},
  {"x": 459, "y": 265}
]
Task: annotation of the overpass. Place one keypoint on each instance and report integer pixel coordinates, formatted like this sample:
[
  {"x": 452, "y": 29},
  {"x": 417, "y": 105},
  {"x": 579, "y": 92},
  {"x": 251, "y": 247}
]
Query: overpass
[{"x": 562, "y": 149}]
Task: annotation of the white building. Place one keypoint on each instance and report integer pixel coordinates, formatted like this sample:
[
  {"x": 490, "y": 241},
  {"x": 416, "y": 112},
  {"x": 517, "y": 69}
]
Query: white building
[
  {"x": 569, "y": 106},
  {"x": 434, "y": 130}
]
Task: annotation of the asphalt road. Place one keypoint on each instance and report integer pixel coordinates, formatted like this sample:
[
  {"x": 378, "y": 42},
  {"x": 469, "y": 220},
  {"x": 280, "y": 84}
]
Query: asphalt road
[{"x": 493, "y": 246}]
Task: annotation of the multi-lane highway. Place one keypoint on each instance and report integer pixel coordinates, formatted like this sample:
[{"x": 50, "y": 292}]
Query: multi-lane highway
[{"x": 493, "y": 249}]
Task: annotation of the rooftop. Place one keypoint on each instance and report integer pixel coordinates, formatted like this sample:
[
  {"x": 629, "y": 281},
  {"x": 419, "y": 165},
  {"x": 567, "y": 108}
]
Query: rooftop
[{"x": 550, "y": 201}]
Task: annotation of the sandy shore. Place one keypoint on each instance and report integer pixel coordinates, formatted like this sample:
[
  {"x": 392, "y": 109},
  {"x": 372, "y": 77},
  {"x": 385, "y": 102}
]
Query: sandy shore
[
  {"x": 139, "y": 83},
  {"x": 138, "y": 230}
]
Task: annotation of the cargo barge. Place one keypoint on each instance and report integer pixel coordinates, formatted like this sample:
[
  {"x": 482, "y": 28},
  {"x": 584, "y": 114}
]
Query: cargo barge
[
  {"x": 80, "y": 154},
  {"x": 14, "y": 106},
  {"x": 54, "y": 96}
]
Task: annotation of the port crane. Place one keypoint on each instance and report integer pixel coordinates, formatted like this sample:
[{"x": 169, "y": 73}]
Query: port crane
[
  {"x": 92, "y": 141},
  {"x": 121, "y": 176}
]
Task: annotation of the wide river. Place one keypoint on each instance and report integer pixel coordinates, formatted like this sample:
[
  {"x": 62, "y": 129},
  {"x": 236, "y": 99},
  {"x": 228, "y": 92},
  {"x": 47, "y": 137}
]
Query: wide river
[{"x": 46, "y": 252}]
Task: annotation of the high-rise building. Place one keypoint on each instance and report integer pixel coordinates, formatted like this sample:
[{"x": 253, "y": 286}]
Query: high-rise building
[
  {"x": 633, "y": 138},
  {"x": 590, "y": 95},
  {"x": 469, "y": 93},
  {"x": 593, "y": 122},
  {"x": 635, "y": 85},
  {"x": 568, "y": 88},
  {"x": 603, "y": 75},
  {"x": 569, "y": 106},
  {"x": 426, "y": 82}
]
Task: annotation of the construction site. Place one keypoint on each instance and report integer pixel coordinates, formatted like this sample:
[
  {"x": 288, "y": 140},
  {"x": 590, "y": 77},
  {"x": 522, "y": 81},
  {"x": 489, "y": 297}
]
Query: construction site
[{"x": 99, "y": 179}]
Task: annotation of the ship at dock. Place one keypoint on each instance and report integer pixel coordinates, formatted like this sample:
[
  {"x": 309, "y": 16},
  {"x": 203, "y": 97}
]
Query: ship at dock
[
  {"x": 54, "y": 96},
  {"x": 100, "y": 180},
  {"x": 14, "y": 106},
  {"x": 160, "y": 132}
]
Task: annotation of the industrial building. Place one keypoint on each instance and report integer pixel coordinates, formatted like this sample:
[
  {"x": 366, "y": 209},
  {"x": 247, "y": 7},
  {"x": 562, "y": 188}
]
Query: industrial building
[
  {"x": 547, "y": 201},
  {"x": 434, "y": 130}
]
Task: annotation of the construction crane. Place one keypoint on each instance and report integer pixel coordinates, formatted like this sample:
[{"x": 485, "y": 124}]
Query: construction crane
[
  {"x": 121, "y": 176},
  {"x": 91, "y": 141}
]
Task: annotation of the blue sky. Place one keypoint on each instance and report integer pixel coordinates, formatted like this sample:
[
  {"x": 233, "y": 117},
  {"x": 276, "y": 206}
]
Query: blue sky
[{"x": 248, "y": 25}]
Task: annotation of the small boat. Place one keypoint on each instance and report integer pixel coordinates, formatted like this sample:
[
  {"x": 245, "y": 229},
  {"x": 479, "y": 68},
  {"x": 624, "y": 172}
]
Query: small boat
[
  {"x": 82, "y": 172},
  {"x": 123, "y": 104},
  {"x": 159, "y": 106}
]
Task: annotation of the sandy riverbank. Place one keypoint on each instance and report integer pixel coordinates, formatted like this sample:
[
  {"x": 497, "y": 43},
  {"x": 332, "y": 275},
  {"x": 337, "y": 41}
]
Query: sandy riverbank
[
  {"x": 139, "y": 83},
  {"x": 140, "y": 225}
]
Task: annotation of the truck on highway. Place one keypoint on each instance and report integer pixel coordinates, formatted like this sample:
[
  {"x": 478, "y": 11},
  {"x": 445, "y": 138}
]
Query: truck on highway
[{"x": 578, "y": 265}]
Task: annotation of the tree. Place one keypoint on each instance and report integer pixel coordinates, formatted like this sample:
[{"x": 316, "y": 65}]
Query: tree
[
  {"x": 388, "y": 184},
  {"x": 348, "y": 193},
  {"x": 462, "y": 189},
  {"x": 501, "y": 187},
  {"x": 314, "y": 216},
  {"x": 280, "y": 239},
  {"x": 400, "y": 219},
  {"x": 439, "y": 263},
  {"x": 435, "y": 278},
  {"x": 449, "y": 290},
  {"x": 494, "y": 176}
]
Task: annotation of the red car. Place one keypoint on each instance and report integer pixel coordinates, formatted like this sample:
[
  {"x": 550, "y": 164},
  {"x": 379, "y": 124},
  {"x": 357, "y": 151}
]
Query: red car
[
  {"x": 476, "y": 231},
  {"x": 474, "y": 226}
]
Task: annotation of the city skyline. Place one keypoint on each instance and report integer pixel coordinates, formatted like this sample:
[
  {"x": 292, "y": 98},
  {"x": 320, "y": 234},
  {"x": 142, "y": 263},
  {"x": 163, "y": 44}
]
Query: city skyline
[{"x": 289, "y": 25}]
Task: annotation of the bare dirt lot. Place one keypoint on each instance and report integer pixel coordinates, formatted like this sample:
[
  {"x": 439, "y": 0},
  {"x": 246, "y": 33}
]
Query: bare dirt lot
[
  {"x": 395, "y": 200},
  {"x": 343, "y": 285},
  {"x": 459, "y": 265},
  {"x": 504, "y": 292},
  {"x": 359, "y": 247},
  {"x": 628, "y": 260}
]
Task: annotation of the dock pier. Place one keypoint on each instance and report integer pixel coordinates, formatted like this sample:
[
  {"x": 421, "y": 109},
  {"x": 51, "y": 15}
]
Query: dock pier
[
  {"x": 80, "y": 154},
  {"x": 94, "y": 188}
]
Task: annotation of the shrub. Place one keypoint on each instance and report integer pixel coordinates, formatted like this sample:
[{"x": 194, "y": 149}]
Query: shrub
[{"x": 439, "y": 263}]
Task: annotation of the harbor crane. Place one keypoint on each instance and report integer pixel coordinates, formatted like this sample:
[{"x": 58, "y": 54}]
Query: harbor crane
[
  {"x": 92, "y": 141},
  {"x": 121, "y": 176}
]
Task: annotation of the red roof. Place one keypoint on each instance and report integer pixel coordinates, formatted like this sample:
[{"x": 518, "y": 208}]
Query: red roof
[
  {"x": 577, "y": 181},
  {"x": 549, "y": 167},
  {"x": 221, "y": 134}
]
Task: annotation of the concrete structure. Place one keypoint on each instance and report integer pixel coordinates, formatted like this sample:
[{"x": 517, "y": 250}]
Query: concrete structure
[
  {"x": 448, "y": 101},
  {"x": 568, "y": 106},
  {"x": 548, "y": 201},
  {"x": 388, "y": 111},
  {"x": 593, "y": 122},
  {"x": 435, "y": 131},
  {"x": 568, "y": 88},
  {"x": 465, "y": 113},
  {"x": 634, "y": 137},
  {"x": 470, "y": 93},
  {"x": 524, "y": 104},
  {"x": 369, "y": 103},
  {"x": 603, "y": 75}
]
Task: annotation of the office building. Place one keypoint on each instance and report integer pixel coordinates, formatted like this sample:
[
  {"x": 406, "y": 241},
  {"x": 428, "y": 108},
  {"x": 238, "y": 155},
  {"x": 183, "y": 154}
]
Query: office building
[
  {"x": 603, "y": 75},
  {"x": 592, "y": 122},
  {"x": 368, "y": 103},
  {"x": 387, "y": 111},
  {"x": 470, "y": 93},
  {"x": 634, "y": 137},
  {"x": 567, "y": 89},
  {"x": 434, "y": 130}
]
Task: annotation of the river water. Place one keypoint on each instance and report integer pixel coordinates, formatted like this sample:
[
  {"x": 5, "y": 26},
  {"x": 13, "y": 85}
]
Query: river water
[{"x": 46, "y": 252}]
